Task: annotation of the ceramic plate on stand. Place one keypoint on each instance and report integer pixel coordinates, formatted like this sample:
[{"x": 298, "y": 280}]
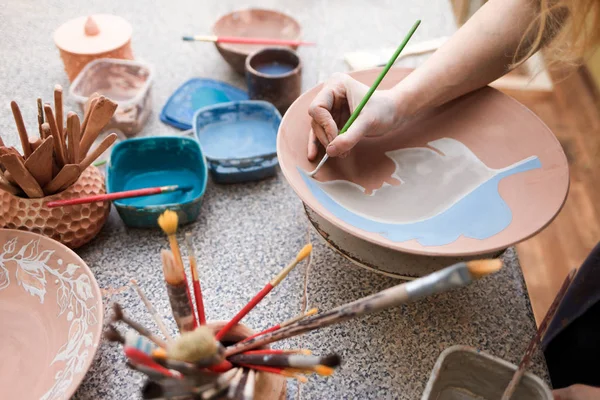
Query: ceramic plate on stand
[
  {"x": 51, "y": 312},
  {"x": 472, "y": 177}
]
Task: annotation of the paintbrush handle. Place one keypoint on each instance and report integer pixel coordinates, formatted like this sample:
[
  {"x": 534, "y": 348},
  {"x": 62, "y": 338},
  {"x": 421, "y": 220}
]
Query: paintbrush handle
[
  {"x": 268, "y": 330},
  {"x": 382, "y": 75},
  {"x": 248, "y": 40},
  {"x": 199, "y": 302},
  {"x": 244, "y": 311},
  {"x": 112, "y": 196}
]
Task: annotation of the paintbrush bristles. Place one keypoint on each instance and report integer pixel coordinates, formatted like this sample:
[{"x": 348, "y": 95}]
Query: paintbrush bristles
[
  {"x": 302, "y": 254},
  {"x": 305, "y": 252},
  {"x": 168, "y": 222},
  {"x": 482, "y": 268},
  {"x": 194, "y": 346}
]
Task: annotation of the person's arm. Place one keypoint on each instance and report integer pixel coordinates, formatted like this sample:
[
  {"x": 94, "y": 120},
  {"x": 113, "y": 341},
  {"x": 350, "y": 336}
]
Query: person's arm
[
  {"x": 480, "y": 52},
  {"x": 577, "y": 392}
]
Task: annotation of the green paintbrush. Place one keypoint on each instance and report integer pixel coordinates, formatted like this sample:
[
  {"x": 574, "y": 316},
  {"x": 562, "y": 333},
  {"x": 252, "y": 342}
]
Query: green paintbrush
[{"x": 365, "y": 99}]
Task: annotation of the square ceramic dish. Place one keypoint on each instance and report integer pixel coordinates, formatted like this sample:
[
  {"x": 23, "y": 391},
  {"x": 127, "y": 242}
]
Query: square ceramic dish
[
  {"x": 126, "y": 82},
  {"x": 462, "y": 372},
  {"x": 239, "y": 140},
  {"x": 157, "y": 161},
  {"x": 195, "y": 94}
]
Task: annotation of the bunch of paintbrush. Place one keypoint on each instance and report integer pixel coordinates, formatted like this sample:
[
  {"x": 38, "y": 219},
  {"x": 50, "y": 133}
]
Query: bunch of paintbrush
[{"x": 54, "y": 161}]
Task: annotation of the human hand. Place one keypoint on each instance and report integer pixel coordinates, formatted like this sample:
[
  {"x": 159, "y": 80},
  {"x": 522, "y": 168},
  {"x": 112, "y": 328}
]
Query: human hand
[
  {"x": 577, "y": 392},
  {"x": 334, "y": 104}
]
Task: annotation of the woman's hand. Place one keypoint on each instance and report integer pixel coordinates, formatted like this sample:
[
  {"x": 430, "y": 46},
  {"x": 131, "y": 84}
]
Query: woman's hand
[
  {"x": 332, "y": 107},
  {"x": 577, "y": 392}
]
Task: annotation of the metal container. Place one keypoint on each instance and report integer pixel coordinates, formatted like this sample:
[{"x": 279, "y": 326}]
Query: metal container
[
  {"x": 464, "y": 373},
  {"x": 381, "y": 259}
]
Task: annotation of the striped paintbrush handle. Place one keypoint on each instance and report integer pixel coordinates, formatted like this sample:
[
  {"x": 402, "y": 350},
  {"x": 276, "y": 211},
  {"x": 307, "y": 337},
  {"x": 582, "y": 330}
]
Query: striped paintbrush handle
[{"x": 112, "y": 196}]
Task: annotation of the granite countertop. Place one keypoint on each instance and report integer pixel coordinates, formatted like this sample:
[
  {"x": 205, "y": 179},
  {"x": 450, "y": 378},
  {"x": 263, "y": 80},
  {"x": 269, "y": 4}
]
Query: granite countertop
[{"x": 246, "y": 232}]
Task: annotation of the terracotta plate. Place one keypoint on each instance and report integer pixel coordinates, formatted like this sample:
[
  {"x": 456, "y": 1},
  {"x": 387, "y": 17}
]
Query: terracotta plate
[
  {"x": 51, "y": 313},
  {"x": 472, "y": 177}
]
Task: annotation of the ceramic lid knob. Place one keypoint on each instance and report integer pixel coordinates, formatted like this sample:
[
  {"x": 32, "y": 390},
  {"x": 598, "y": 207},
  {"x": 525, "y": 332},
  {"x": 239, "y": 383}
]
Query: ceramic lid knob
[{"x": 91, "y": 27}]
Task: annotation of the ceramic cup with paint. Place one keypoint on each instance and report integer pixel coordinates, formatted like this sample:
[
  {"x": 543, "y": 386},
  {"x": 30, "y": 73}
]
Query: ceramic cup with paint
[
  {"x": 126, "y": 82},
  {"x": 253, "y": 22},
  {"x": 157, "y": 161},
  {"x": 274, "y": 75},
  {"x": 239, "y": 140},
  {"x": 469, "y": 178}
]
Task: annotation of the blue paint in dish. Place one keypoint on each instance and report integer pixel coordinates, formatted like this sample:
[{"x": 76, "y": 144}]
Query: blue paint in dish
[
  {"x": 239, "y": 140},
  {"x": 194, "y": 94},
  {"x": 157, "y": 161},
  {"x": 481, "y": 214},
  {"x": 275, "y": 68}
]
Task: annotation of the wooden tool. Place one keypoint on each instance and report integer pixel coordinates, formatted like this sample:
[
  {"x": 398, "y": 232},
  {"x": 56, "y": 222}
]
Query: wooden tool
[
  {"x": 89, "y": 106},
  {"x": 34, "y": 143},
  {"x": 100, "y": 115},
  {"x": 74, "y": 136},
  {"x": 70, "y": 172},
  {"x": 7, "y": 186},
  {"x": 246, "y": 40},
  {"x": 21, "y": 128},
  {"x": 535, "y": 341},
  {"x": 59, "y": 145},
  {"x": 58, "y": 108},
  {"x": 40, "y": 108},
  {"x": 21, "y": 175},
  {"x": 39, "y": 163}
]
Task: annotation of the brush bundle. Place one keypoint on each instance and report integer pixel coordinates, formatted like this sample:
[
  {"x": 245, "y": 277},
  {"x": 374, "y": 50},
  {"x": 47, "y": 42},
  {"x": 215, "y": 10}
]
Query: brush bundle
[
  {"x": 54, "y": 161},
  {"x": 210, "y": 362}
]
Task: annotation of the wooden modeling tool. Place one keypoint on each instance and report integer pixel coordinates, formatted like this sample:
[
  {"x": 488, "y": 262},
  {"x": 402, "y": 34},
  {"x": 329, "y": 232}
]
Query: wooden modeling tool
[
  {"x": 455, "y": 276},
  {"x": 40, "y": 109},
  {"x": 39, "y": 163},
  {"x": 70, "y": 172},
  {"x": 7, "y": 186},
  {"x": 168, "y": 222},
  {"x": 58, "y": 107},
  {"x": 34, "y": 143},
  {"x": 177, "y": 289},
  {"x": 59, "y": 144},
  {"x": 159, "y": 322},
  {"x": 368, "y": 95},
  {"x": 246, "y": 40},
  {"x": 195, "y": 279},
  {"x": 268, "y": 287},
  {"x": 290, "y": 321},
  {"x": 89, "y": 106},
  {"x": 537, "y": 338},
  {"x": 99, "y": 117},
  {"x": 21, "y": 128},
  {"x": 14, "y": 164},
  {"x": 73, "y": 137},
  {"x": 118, "y": 315}
]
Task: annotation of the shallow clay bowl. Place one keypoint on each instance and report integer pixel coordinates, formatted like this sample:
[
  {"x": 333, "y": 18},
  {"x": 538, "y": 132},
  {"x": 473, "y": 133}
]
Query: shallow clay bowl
[
  {"x": 51, "y": 313},
  {"x": 252, "y": 22},
  {"x": 469, "y": 178}
]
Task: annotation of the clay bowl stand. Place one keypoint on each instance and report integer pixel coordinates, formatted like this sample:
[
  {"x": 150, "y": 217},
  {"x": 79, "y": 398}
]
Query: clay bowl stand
[{"x": 268, "y": 386}]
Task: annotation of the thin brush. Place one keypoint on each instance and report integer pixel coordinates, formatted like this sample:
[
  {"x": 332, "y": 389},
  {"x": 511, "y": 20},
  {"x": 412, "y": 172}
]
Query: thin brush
[
  {"x": 248, "y": 393},
  {"x": 118, "y": 315},
  {"x": 195, "y": 279},
  {"x": 159, "y": 322},
  {"x": 457, "y": 275},
  {"x": 183, "y": 311},
  {"x": 372, "y": 89},
  {"x": 142, "y": 343},
  {"x": 535, "y": 341},
  {"x": 127, "y": 194},
  {"x": 139, "y": 357},
  {"x": 168, "y": 222},
  {"x": 268, "y": 287},
  {"x": 290, "y": 321},
  {"x": 322, "y": 370},
  {"x": 221, "y": 384},
  {"x": 148, "y": 371},
  {"x": 305, "y": 352},
  {"x": 113, "y": 335},
  {"x": 286, "y": 360},
  {"x": 246, "y": 40},
  {"x": 238, "y": 378},
  {"x": 277, "y": 371}
]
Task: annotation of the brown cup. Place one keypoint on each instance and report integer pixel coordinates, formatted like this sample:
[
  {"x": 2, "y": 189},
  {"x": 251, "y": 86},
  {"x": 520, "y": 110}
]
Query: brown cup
[{"x": 274, "y": 75}]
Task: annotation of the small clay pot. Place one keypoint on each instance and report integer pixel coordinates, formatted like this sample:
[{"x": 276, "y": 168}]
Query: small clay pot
[
  {"x": 274, "y": 75},
  {"x": 268, "y": 386},
  {"x": 72, "y": 226}
]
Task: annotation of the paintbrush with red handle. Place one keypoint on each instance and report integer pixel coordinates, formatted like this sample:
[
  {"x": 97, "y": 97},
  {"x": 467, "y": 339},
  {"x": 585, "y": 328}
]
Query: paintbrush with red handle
[
  {"x": 268, "y": 287},
  {"x": 535, "y": 341},
  {"x": 246, "y": 40},
  {"x": 290, "y": 321},
  {"x": 195, "y": 279},
  {"x": 118, "y": 195}
]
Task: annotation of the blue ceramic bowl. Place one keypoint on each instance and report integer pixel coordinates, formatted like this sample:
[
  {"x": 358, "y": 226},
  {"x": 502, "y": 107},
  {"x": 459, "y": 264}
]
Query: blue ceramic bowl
[
  {"x": 239, "y": 140},
  {"x": 157, "y": 161}
]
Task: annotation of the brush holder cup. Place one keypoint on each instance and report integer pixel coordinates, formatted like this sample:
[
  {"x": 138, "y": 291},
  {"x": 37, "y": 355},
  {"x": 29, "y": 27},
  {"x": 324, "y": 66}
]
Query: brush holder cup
[
  {"x": 268, "y": 386},
  {"x": 73, "y": 225}
]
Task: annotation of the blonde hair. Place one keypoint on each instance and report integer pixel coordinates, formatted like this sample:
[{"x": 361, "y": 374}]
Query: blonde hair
[{"x": 569, "y": 29}]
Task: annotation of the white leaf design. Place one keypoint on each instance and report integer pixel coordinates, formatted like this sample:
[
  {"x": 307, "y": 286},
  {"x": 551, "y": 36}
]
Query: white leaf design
[
  {"x": 83, "y": 287},
  {"x": 62, "y": 298},
  {"x": 33, "y": 282},
  {"x": 71, "y": 268},
  {"x": 32, "y": 250},
  {"x": 10, "y": 246},
  {"x": 44, "y": 256},
  {"x": 4, "y": 277}
]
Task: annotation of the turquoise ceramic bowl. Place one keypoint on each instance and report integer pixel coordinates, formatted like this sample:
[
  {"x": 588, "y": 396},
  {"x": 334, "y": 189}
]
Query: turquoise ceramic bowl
[{"x": 157, "y": 161}]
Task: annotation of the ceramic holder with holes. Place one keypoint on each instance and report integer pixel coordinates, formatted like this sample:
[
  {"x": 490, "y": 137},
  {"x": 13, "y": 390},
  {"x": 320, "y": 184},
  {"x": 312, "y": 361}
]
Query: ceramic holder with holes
[{"x": 72, "y": 226}]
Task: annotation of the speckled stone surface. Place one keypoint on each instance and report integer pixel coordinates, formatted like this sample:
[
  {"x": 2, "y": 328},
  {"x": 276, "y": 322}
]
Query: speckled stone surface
[{"x": 245, "y": 233}]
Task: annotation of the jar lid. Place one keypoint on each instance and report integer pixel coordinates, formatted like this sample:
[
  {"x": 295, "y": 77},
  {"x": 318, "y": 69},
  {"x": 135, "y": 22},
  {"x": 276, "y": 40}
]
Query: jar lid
[{"x": 95, "y": 34}]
